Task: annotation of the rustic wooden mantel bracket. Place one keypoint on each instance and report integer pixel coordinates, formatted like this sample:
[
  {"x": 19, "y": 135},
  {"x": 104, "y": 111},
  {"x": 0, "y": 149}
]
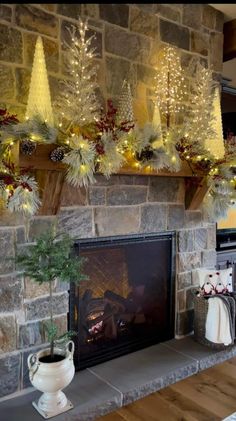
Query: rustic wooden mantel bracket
[{"x": 51, "y": 177}]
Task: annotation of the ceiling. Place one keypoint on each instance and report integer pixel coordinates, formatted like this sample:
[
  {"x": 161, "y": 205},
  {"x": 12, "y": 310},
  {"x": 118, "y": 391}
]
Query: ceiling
[{"x": 229, "y": 10}]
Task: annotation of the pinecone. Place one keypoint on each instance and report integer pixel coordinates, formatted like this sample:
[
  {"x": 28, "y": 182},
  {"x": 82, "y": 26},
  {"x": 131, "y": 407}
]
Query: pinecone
[
  {"x": 27, "y": 147},
  {"x": 58, "y": 154},
  {"x": 145, "y": 155}
]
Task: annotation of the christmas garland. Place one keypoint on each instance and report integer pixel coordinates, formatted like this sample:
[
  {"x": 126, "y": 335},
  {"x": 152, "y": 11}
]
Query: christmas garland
[{"x": 90, "y": 140}]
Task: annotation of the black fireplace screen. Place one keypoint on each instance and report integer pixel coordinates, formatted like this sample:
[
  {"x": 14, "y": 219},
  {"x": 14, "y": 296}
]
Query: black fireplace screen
[{"x": 128, "y": 301}]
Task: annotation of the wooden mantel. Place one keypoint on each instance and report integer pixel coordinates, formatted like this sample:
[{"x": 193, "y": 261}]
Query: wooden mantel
[{"x": 51, "y": 175}]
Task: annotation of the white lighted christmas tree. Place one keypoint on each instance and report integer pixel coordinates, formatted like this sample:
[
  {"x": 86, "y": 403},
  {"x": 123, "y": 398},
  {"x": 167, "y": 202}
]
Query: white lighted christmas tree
[
  {"x": 171, "y": 88},
  {"x": 215, "y": 144},
  {"x": 198, "y": 123},
  {"x": 125, "y": 108},
  {"x": 39, "y": 100},
  {"x": 77, "y": 101}
]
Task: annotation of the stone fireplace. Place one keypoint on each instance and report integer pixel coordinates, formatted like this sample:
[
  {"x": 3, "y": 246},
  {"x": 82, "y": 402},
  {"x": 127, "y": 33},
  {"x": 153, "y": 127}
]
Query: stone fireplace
[
  {"x": 124, "y": 205},
  {"x": 127, "y": 40}
]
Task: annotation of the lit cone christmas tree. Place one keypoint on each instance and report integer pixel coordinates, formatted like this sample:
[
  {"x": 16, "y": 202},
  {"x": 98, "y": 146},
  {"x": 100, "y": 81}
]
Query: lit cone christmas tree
[
  {"x": 125, "y": 108},
  {"x": 215, "y": 145},
  {"x": 39, "y": 100},
  {"x": 156, "y": 121}
]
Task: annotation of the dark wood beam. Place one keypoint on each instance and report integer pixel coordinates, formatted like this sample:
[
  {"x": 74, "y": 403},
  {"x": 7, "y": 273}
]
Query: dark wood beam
[{"x": 229, "y": 51}]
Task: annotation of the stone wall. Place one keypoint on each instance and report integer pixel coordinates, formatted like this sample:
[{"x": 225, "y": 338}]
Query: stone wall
[{"x": 127, "y": 38}]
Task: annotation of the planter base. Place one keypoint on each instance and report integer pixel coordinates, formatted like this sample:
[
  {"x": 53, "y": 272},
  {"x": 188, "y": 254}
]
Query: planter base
[{"x": 49, "y": 414}]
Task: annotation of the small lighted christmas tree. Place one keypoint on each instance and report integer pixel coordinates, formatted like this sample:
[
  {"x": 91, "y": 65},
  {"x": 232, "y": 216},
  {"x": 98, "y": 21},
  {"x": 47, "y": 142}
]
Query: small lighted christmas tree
[
  {"x": 125, "y": 108},
  {"x": 215, "y": 144},
  {"x": 170, "y": 84},
  {"x": 156, "y": 121},
  {"x": 39, "y": 100},
  {"x": 77, "y": 101}
]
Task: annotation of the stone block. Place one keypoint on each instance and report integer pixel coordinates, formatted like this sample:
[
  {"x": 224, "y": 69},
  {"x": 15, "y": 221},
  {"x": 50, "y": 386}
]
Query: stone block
[
  {"x": 126, "y": 195},
  {"x": 11, "y": 47},
  {"x": 97, "y": 196},
  {"x": 22, "y": 84},
  {"x": 219, "y": 21},
  {"x": 49, "y": 7},
  {"x": 90, "y": 10},
  {"x": 103, "y": 181},
  {"x": 116, "y": 220},
  {"x": 189, "y": 299},
  {"x": 55, "y": 86},
  {"x": 11, "y": 293},
  {"x": 192, "y": 14},
  {"x": 200, "y": 238},
  {"x": 7, "y": 333},
  {"x": 35, "y": 19},
  {"x": 141, "y": 180},
  {"x": 193, "y": 219},
  {"x": 211, "y": 236},
  {"x": 144, "y": 23},
  {"x": 73, "y": 196},
  {"x": 125, "y": 44},
  {"x": 209, "y": 258},
  {"x": 146, "y": 74},
  {"x": 71, "y": 10},
  {"x": 7, "y": 250},
  {"x": 117, "y": 70},
  {"x": 208, "y": 16},
  {"x": 30, "y": 334},
  {"x": 185, "y": 322},
  {"x": 117, "y": 14},
  {"x": 165, "y": 189},
  {"x": 181, "y": 300},
  {"x": 153, "y": 218},
  {"x": 174, "y": 34},
  {"x": 199, "y": 43},
  {"x": 51, "y": 51},
  {"x": 10, "y": 366},
  {"x": 175, "y": 216},
  {"x": 20, "y": 234},
  {"x": 33, "y": 289},
  {"x": 184, "y": 280},
  {"x": 167, "y": 11},
  {"x": 216, "y": 51},
  {"x": 39, "y": 308},
  {"x": 6, "y": 82},
  {"x": 146, "y": 7},
  {"x": 41, "y": 224},
  {"x": 5, "y": 13},
  {"x": 185, "y": 241},
  {"x": 189, "y": 261},
  {"x": 77, "y": 222}
]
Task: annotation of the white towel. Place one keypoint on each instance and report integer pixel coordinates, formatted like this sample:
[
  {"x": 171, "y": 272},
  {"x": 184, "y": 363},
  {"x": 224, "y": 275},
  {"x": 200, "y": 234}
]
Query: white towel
[{"x": 218, "y": 322}]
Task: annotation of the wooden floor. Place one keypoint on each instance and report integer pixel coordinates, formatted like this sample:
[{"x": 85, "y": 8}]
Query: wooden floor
[{"x": 207, "y": 396}]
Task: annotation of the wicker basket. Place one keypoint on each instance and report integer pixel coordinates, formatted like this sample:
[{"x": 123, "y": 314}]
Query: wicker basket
[{"x": 200, "y": 314}]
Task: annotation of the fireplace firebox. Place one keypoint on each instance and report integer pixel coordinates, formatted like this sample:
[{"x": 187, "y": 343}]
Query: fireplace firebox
[{"x": 128, "y": 302}]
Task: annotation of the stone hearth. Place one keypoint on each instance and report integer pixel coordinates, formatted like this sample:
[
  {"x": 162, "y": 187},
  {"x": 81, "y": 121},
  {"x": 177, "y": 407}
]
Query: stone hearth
[{"x": 106, "y": 387}]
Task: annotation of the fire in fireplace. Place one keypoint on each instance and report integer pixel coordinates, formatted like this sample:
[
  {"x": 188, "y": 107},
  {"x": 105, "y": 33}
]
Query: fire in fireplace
[{"x": 128, "y": 302}]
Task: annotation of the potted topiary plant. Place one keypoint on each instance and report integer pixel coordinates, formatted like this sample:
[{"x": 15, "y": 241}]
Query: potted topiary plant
[{"x": 50, "y": 258}]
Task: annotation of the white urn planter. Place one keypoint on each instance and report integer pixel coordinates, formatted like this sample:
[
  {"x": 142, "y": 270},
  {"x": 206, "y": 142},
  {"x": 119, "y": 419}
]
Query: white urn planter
[{"x": 50, "y": 378}]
